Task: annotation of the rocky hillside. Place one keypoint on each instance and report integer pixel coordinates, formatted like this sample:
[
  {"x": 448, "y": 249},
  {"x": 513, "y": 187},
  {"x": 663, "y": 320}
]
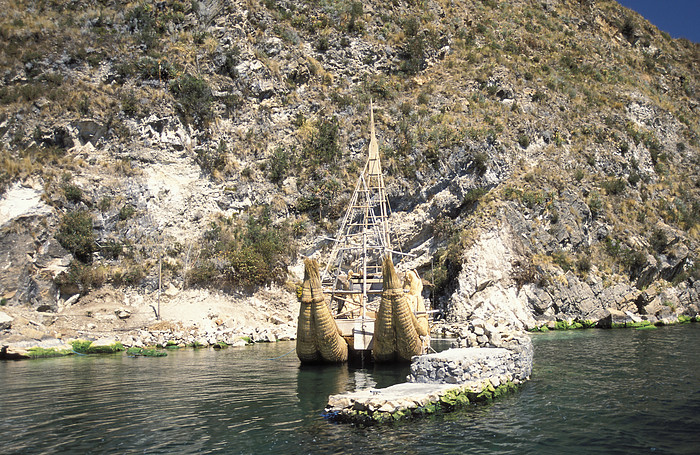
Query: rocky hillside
[{"x": 542, "y": 156}]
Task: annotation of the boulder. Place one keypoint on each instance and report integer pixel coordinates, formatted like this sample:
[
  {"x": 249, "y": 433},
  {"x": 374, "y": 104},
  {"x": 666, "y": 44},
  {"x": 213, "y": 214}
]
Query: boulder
[
  {"x": 13, "y": 353},
  {"x": 90, "y": 130},
  {"x": 5, "y": 321},
  {"x": 122, "y": 313},
  {"x": 613, "y": 318}
]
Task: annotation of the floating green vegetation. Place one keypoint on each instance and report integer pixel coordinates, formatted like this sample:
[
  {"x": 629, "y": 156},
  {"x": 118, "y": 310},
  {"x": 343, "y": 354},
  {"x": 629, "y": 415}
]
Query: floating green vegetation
[
  {"x": 683, "y": 319},
  {"x": 646, "y": 327},
  {"x": 565, "y": 325},
  {"x": 81, "y": 346},
  {"x": 588, "y": 324},
  {"x": 171, "y": 345},
  {"x": 454, "y": 398},
  {"x": 86, "y": 347},
  {"x": 106, "y": 349},
  {"x": 197, "y": 344},
  {"x": 220, "y": 345},
  {"x": 145, "y": 352},
  {"x": 633, "y": 325},
  {"x": 37, "y": 352}
]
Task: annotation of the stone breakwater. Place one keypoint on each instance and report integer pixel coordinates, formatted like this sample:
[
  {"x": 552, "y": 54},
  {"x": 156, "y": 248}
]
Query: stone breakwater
[
  {"x": 464, "y": 365},
  {"x": 439, "y": 382}
]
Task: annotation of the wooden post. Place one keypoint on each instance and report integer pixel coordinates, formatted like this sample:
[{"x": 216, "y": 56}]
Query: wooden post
[{"x": 160, "y": 279}]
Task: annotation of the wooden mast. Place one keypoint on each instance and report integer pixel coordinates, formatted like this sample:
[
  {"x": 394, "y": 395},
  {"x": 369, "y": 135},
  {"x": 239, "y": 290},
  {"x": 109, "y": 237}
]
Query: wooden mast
[{"x": 363, "y": 238}]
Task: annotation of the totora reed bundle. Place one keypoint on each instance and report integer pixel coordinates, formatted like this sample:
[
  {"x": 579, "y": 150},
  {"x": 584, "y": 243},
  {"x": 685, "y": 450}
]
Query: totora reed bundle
[
  {"x": 396, "y": 334},
  {"x": 318, "y": 337}
]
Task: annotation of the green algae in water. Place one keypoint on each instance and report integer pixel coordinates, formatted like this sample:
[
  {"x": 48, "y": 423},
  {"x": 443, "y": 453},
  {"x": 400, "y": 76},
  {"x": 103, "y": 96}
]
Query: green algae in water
[
  {"x": 145, "y": 352},
  {"x": 39, "y": 353},
  {"x": 81, "y": 346},
  {"x": 646, "y": 327},
  {"x": 86, "y": 347},
  {"x": 107, "y": 349},
  {"x": 564, "y": 325}
]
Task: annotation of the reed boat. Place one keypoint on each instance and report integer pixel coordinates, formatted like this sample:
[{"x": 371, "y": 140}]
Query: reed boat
[{"x": 357, "y": 307}]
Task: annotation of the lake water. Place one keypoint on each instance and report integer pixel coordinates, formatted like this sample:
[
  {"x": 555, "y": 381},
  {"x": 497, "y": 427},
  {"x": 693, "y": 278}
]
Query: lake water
[{"x": 593, "y": 391}]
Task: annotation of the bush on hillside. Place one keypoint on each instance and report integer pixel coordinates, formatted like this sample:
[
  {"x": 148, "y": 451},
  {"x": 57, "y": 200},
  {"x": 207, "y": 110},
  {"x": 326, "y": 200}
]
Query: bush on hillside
[
  {"x": 75, "y": 235},
  {"x": 194, "y": 98},
  {"x": 250, "y": 253}
]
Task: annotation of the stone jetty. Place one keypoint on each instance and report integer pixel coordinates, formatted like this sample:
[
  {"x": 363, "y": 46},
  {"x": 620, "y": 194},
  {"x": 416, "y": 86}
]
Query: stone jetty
[{"x": 440, "y": 382}]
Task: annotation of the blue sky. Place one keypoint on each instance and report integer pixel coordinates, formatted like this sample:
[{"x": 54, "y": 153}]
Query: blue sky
[{"x": 679, "y": 18}]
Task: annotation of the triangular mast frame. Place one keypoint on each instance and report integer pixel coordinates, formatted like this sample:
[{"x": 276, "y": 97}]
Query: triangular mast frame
[{"x": 363, "y": 237}]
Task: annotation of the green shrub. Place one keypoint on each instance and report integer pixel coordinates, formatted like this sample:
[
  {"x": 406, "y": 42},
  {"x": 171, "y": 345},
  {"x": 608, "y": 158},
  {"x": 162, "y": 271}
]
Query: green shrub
[
  {"x": 75, "y": 235},
  {"x": 81, "y": 276},
  {"x": 658, "y": 240},
  {"x": 584, "y": 263},
  {"x": 588, "y": 324},
  {"x": 152, "y": 69},
  {"x": 231, "y": 60},
  {"x": 126, "y": 212},
  {"x": 211, "y": 160},
  {"x": 414, "y": 48},
  {"x": 595, "y": 203},
  {"x": 539, "y": 96},
  {"x": 323, "y": 146},
  {"x": 279, "y": 164},
  {"x": 111, "y": 249},
  {"x": 629, "y": 29},
  {"x": 524, "y": 141},
  {"x": 561, "y": 325},
  {"x": 253, "y": 253},
  {"x": 614, "y": 186},
  {"x": 38, "y": 352},
  {"x": 474, "y": 195},
  {"x": 481, "y": 162},
  {"x": 355, "y": 10},
  {"x": 105, "y": 203},
  {"x": 633, "y": 178},
  {"x": 130, "y": 104},
  {"x": 194, "y": 98},
  {"x": 322, "y": 45},
  {"x": 133, "y": 275},
  {"x": 73, "y": 193}
]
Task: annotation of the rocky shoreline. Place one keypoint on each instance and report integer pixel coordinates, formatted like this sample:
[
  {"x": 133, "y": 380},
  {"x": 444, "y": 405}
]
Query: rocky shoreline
[
  {"x": 199, "y": 318},
  {"x": 188, "y": 318}
]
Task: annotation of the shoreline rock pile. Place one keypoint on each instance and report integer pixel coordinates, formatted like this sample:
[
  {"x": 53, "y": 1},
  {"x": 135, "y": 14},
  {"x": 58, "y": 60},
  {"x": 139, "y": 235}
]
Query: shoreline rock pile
[{"x": 440, "y": 382}]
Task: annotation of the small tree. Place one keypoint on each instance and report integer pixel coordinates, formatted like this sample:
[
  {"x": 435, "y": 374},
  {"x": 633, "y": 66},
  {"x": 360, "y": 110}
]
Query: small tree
[
  {"x": 324, "y": 143},
  {"x": 75, "y": 235},
  {"x": 194, "y": 97}
]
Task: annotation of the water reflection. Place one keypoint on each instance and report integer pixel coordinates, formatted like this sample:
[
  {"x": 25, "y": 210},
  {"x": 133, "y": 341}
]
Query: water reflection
[{"x": 316, "y": 382}]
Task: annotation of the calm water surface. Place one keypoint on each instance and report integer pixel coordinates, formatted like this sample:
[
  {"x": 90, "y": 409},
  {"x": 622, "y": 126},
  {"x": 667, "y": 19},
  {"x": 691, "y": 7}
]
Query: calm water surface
[{"x": 615, "y": 391}]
